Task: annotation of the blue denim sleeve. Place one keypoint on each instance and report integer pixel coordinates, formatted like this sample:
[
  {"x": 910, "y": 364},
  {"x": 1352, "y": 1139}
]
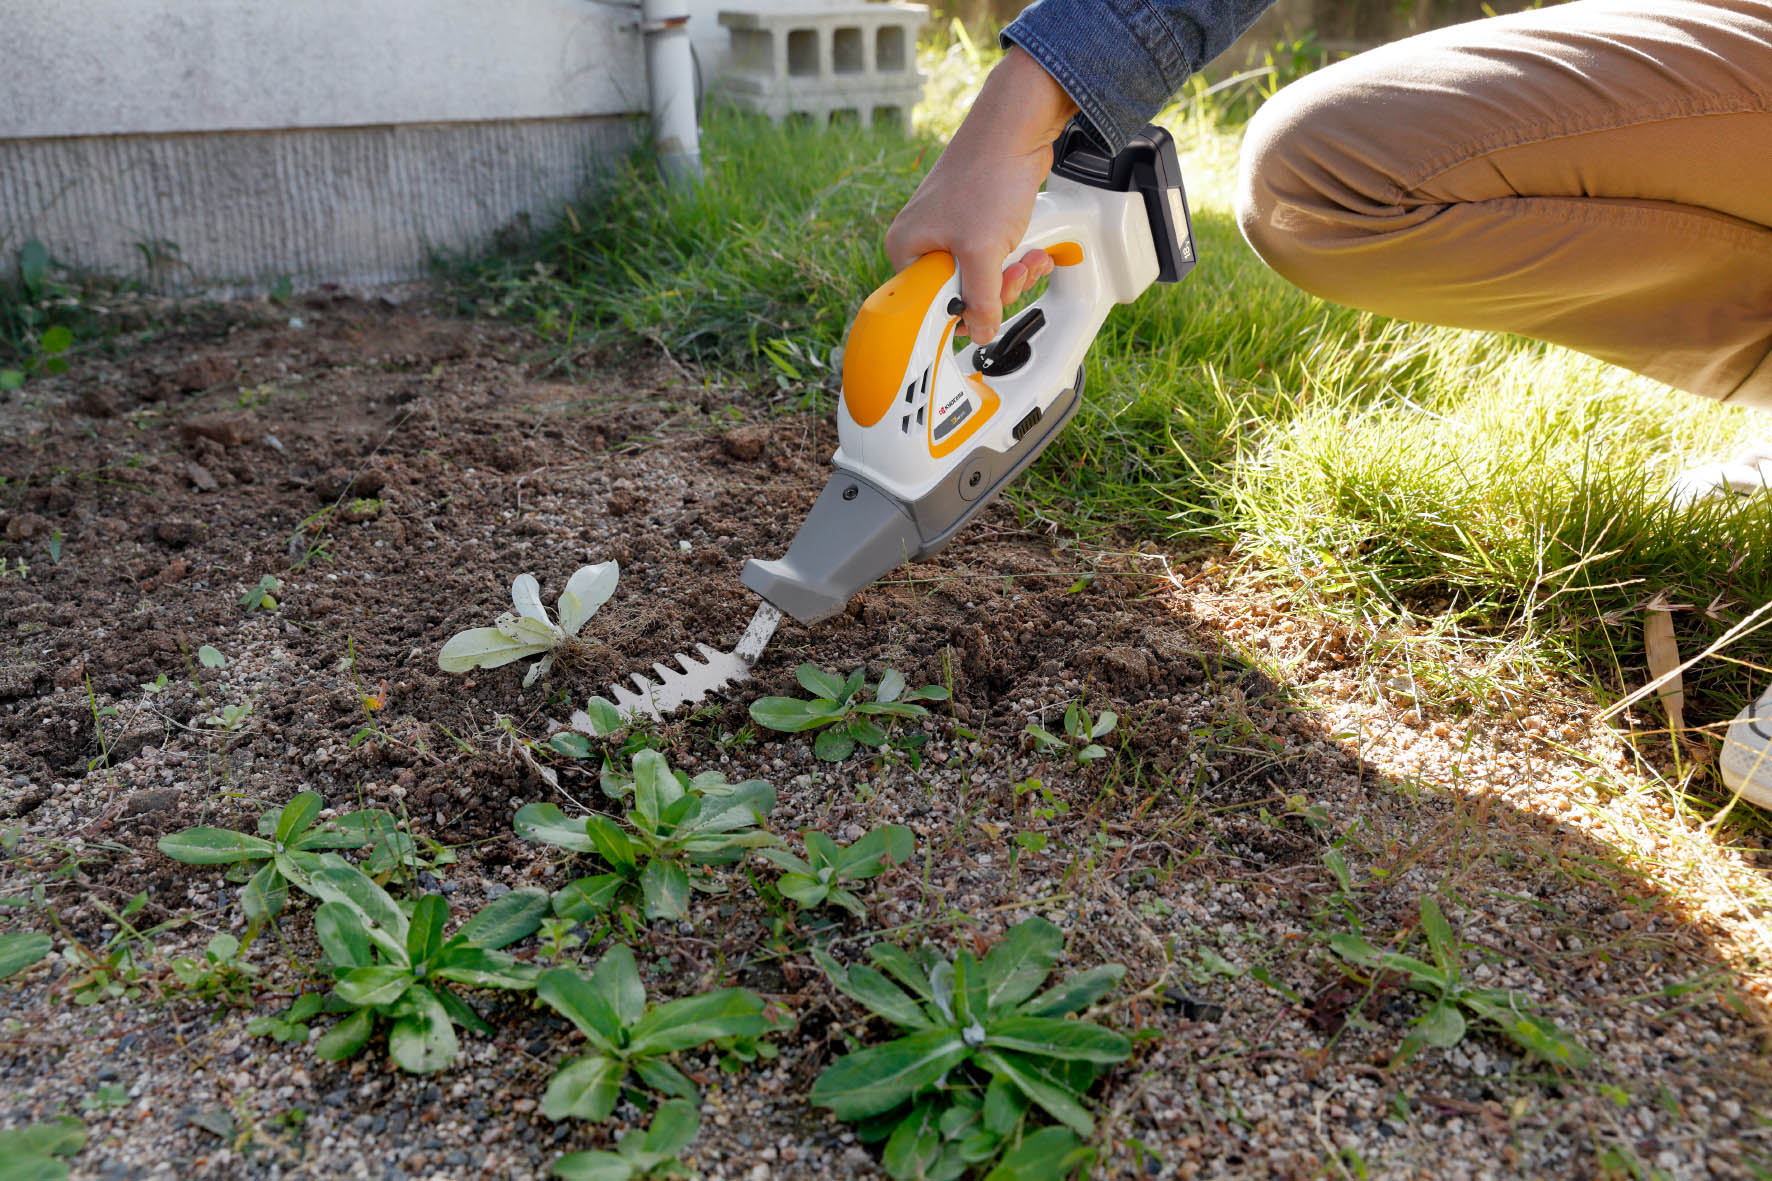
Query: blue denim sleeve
[{"x": 1121, "y": 60}]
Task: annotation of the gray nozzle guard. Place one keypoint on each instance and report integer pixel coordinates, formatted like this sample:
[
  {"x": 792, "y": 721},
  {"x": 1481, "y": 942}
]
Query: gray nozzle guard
[{"x": 854, "y": 534}]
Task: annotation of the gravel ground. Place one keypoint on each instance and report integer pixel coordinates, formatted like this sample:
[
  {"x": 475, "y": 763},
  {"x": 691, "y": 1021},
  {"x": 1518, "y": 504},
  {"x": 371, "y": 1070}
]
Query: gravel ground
[{"x": 1253, "y": 739}]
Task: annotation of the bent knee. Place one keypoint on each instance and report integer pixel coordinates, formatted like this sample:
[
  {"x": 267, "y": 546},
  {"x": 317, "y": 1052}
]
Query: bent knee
[{"x": 1318, "y": 174}]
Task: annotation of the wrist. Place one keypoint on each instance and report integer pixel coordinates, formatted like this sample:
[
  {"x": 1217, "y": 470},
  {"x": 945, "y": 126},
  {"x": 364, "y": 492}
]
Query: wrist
[{"x": 1022, "y": 105}]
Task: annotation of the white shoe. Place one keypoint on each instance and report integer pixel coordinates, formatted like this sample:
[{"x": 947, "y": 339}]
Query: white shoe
[
  {"x": 1747, "y": 752},
  {"x": 1749, "y": 472}
]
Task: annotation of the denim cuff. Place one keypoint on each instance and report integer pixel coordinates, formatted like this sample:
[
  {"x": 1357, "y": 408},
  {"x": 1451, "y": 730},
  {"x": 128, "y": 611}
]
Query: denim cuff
[{"x": 1122, "y": 60}]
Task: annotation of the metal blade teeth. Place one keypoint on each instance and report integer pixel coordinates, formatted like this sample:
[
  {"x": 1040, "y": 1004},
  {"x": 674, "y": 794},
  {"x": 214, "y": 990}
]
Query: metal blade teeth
[{"x": 692, "y": 682}]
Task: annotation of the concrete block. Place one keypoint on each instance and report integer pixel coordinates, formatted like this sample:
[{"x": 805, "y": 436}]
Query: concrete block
[{"x": 836, "y": 61}]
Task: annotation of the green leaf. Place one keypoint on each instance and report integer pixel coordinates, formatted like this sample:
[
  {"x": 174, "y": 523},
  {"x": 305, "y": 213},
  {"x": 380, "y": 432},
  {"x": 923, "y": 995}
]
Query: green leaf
[
  {"x": 347, "y": 1037},
  {"x": 33, "y": 268},
  {"x": 20, "y": 949},
  {"x": 612, "y": 844},
  {"x": 971, "y": 998},
  {"x": 1060, "y": 1104},
  {"x": 673, "y": 1126},
  {"x": 1441, "y": 1026},
  {"x": 1016, "y": 967},
  {"x": 866, "y": 733},
  {"x": 422, "y": 1038},
  {"x": 424, "y": 937},
  {"x": 863, "y": 984},
  {"x": 1043, "y": 737},
  {"x": 808, "y": 892},
  {"x": 353, "y": 830},
  {"x": 833, "y": 746},
  {"x": 878, "y": 1079},
  {"x": 11, "y": 379},
  {"x": 1003, "y": 1105},
  {"x": 583, "y": 1004},
  {"x": 265, "y": 895},
  {"x": 1536, "y": 1035},
  {"x": 64, "y": 1137},
  {"x": 664, "y": 1078},
  {"x": 585, "y": 1088},
  {"x": 587, "y": 899},
  {"x": 655, "y": 788},
  {"x": 897, "y": 963},
  {"x": 380, "y": 916},
  {"x": 915, "y": 1144},
  {"x": 1050, "y": 1154},
  {"x": 485, "y": 647},
  {"x": 693, "y": 1020},
  {"x": 342, "y": 936},
  {"x": 463, "y": 1014},
  {"x": 56, "y": 339},
  {"x": 789, "y": 862},
  {"x": 586, "y": 591},
  {"x": 299, "y": 868},
  {"x": 617, "y": 977},
  {"x": 818, "y": 682},
  {"x": 665, "y": 887},
  {"x": 791, "y": 715},
  {"x": 213, "y": 846},
  {"x": 1056, "y": 1037},
  {"x": 1075, "y": 993},
  {"x": 210, "y": 657},
  {"x": 379, "y": 984},
  {"x": 891, "y": 685},
  {"x": 928, "y": 693},
  {"x": 1357, "y": 951},
  {"x": 571, "y": 744},
  {"x": 603, "y": 717},
  {"x": 296, "y": 816},
  {"x": 506, "y": 919},
  {"x": 546, "y": 823},
  {"x": 887, "y": 844},
  {"x": 480, "y": 968},
  {"x": 594, "y": 1165},
  {"x": 1440, "y": 939},
  {"x": 1076, "y": 722}
]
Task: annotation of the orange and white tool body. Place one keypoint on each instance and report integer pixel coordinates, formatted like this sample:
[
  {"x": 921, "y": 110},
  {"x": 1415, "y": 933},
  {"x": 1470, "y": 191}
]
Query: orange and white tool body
[{"x": 911, "y": 401}]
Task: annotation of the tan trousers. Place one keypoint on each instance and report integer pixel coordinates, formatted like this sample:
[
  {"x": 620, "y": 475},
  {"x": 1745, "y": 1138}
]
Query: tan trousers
[{"x": 1597, "y": 174}]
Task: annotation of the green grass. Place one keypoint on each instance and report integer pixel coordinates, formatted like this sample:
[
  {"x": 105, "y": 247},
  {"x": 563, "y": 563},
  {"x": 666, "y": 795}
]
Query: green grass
[{"x": 1390, "y": 470}]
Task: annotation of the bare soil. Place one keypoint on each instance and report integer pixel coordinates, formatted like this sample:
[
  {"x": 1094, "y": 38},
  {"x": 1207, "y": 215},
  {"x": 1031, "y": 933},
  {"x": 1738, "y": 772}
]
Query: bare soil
[{"x": 394, "y": 467}]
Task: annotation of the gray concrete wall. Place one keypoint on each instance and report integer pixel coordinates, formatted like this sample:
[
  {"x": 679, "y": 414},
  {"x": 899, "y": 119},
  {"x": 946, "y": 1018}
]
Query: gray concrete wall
[
  {"x": 227, "y": 144},
  {"x": 237, "y": 213}
]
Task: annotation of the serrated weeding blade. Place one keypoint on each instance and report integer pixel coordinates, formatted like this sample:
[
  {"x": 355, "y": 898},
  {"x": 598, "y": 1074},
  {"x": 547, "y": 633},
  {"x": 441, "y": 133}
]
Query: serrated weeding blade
[{"x": 695, "y": 679}]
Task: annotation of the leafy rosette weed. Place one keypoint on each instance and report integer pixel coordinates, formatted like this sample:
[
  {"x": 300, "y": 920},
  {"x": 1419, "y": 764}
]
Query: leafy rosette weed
[
  {"x": 1444, "y": 1023},
  {"x": 397, "y": 968},
  {"x": 629, "y": 1037},
  {"x": 527, "y": 631},
  {"x": 652, "y": 1153},
  {"x": 287, "y": 849},
  {"x": 980, "y": 1050},
  {"x": 841, "y": 712},
  {"x": 829, "y": 867},
  {"x": 676, "y": 828}
]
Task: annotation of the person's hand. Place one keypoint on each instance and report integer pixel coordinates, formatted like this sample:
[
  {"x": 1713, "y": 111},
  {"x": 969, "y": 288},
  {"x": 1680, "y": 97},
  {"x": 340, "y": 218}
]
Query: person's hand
[{"x": 975, "y": 203}]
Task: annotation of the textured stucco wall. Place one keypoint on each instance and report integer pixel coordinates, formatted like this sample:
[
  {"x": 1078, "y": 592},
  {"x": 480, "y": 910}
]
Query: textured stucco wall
[
  {"x": 320, "y": 140},
  {"x": 235, "y": 213}
]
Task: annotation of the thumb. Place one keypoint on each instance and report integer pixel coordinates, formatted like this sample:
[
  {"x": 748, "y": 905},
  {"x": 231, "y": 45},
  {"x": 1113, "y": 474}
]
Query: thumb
[{"x": 981, "y": 287}]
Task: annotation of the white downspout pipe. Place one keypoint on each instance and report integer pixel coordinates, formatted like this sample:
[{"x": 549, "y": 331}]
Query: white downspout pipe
[{"x": 670, "y": 78}]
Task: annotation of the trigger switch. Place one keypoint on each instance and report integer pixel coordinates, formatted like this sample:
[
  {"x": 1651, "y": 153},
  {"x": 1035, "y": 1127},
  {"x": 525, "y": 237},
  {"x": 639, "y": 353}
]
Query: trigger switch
[{"x": 1011, "y": 350}]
